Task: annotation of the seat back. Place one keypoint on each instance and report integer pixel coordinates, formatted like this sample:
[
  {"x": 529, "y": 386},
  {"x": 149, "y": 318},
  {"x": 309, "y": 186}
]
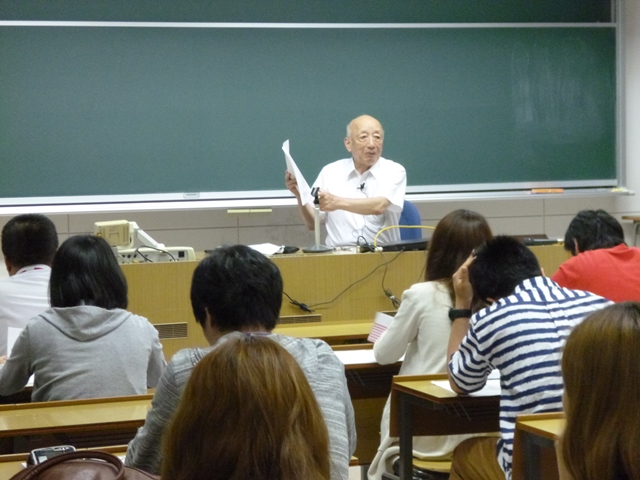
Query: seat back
[{"x": 411, "y": 217}]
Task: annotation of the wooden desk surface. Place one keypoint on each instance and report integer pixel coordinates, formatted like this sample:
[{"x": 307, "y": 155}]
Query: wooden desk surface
[
  {"x": 328, "y": 331},
  {"x": 422, "y": 386},
  {"x": 369, "y": 385},
  {"x": 442, "y": 412},
  {"x": 418, "y": 407},
  {"x": 160, "y": 291},
  {"x": 73, "y": 416},
  {"x": 545, "y": 425},
  {"x": 534, "y": 456}
]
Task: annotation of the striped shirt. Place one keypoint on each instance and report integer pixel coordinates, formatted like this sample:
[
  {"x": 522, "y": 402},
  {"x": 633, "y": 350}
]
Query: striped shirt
[{"x": 522, "y": 335}]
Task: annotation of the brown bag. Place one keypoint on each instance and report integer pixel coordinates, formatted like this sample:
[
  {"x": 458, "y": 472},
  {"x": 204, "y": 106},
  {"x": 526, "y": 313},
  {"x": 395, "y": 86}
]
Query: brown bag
[{"x": 83, "y": 465}]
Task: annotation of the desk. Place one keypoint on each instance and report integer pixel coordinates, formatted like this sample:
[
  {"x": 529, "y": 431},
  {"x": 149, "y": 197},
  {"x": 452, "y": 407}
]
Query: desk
[
  {"x": 418, "y": 407},
  {"x": 94, "y": 416},
  {"x": 369, "y": 385},
  {"x": 534, "y": 455},
  {"x": 331, "y": 332},
  {"x": 160, "y": 292}
]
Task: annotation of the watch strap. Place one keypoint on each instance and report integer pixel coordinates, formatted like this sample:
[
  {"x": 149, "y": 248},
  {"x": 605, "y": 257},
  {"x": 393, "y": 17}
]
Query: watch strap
[{"x": 459, "y": 313}]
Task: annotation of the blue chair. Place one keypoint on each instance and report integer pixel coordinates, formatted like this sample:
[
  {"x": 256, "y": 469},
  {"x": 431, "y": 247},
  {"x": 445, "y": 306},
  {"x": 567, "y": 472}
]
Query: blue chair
[{"x": 410, "y": 216}]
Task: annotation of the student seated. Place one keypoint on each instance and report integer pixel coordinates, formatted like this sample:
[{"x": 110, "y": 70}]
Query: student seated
[
  {"x": 29, "y": 243},
  {"x": 521, "y": 334},
  {"x": 601, "y": 368},
  {"x": 237, "y": 289},
  {"x": 86, "y": 345},
  {"x": 602, "y": 263},
  {"x": 420, "y": 330},
  {"x": 247, "y": 412}
]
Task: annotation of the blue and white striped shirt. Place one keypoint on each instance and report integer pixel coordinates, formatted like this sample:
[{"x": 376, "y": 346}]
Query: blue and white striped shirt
[{"x": 522, "y": 336}]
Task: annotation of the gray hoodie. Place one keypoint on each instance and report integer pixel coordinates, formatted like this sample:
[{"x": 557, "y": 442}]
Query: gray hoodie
[{"x": 84, "y": 352}]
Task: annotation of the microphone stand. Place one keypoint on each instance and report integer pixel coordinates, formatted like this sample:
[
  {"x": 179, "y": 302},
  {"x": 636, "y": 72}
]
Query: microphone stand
[{"x": 317, "y": 248}]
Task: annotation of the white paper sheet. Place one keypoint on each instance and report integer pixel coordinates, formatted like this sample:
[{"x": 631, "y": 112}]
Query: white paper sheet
[
  {"x": 358, "y": 357},
  {"x": 294, "y": 171},
  {"x": 491, "y": 388},
  {"x": 267, "y": 248},
  {"x": 12, "y": 335}
]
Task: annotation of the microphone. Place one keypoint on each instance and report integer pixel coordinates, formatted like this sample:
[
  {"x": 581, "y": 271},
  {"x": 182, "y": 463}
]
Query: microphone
[{"x": 361, "y": 187}]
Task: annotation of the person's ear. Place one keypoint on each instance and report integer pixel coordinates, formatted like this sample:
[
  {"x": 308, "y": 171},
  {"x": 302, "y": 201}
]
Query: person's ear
[
  {"x": 209, "y": 321},
  {"x": 209, "y": 328},
  {"x": 347, "y": 143},
  {"x": 11, "y": 270},
  {"x": 576, "y": 247}
]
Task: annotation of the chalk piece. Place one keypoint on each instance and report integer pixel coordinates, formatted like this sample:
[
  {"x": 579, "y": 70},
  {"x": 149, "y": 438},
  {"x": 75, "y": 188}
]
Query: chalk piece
[{"x": 547, "y": 190}]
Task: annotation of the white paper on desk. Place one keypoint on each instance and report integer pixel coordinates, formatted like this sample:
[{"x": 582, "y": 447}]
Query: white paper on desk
[
  {"x": 356, "y": 357},
  {"x": 294, "y": 171},
  {"x": 363, "y": 356},
  {"x": 267, "y": 248},
  {"x": 380, "y": 325},
  {"x": 12, "y": 335},
  {"x": 491, "y": 388}
]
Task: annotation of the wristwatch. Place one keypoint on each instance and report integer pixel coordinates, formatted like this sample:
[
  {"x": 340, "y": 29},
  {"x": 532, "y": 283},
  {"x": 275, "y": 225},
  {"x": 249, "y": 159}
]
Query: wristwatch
[{"x": 459, "y": 313}]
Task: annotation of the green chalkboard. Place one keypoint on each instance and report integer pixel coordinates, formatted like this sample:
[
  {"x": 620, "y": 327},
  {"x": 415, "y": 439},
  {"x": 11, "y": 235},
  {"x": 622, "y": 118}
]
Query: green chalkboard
[{"x": 146, "y": 110}]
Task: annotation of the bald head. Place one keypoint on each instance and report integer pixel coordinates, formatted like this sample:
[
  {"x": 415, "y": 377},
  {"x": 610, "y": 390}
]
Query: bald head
[
  {"x": 353, "y": 124},
  {"x": 364, "y": 140}
]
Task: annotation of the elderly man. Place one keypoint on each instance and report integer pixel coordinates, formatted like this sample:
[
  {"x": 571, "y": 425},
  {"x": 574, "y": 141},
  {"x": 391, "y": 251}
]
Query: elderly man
[{"x": 360, "y": 195}]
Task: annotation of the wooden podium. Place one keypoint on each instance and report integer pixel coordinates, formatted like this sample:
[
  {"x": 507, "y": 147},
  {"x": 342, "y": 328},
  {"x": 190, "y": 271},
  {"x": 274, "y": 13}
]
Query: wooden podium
[{"x": 345, "y": 290}]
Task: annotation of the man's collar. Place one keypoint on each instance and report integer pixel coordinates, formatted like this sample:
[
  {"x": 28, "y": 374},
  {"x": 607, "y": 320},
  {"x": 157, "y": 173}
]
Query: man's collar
[
  {"x": 535, "y": 282},
  {"x": 350, "y": 168}
]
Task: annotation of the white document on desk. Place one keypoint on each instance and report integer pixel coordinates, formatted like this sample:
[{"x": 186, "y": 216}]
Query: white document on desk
[
  {"x": 12, "y": 335},
  {"x": 363, "y": 356},
  {"x": 294, "y": 171},
  {"x": 491, "y": 388}
]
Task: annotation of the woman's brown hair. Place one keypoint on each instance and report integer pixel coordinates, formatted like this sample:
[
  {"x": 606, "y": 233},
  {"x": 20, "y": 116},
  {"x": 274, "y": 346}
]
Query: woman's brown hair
[
  {"x": 601, "y": 370},
  {"x": 453, "y": 240},
  {"x": 247, "y": 412}
]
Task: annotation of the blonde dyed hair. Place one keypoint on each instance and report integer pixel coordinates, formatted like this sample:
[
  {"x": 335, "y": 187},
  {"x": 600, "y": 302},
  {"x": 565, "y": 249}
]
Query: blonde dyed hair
[
  {"x": 601, "y": 370},
  {"x": 247, "y": 412}
]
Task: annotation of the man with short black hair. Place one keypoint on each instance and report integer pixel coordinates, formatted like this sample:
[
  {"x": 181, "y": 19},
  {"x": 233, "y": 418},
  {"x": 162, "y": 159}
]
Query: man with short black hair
[
  {"x": 237, "y": 289},
  {"x": 29, "y": 243},
  {"x": 520, "y": 333},
  {"x": 602, "y": 263}
]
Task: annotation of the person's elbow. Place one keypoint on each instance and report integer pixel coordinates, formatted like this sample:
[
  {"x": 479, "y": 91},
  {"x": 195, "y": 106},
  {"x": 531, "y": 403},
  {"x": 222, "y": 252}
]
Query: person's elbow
[
  {"x": 454, "y": 386},
  {"x": 380, "y": 207},
  {"x": 384, "y": 357}
]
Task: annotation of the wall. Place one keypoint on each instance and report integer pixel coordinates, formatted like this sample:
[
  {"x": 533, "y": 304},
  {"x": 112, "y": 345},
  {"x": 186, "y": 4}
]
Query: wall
[{"x": 204, "y": 229}]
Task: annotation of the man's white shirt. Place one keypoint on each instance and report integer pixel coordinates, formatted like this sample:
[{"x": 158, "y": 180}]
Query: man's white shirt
[{"x": 384, "y": 179}]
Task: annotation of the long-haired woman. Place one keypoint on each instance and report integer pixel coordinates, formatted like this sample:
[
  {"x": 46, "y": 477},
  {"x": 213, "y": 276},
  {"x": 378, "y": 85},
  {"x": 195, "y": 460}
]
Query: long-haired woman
[
  {"x": 420, "y": 330},
  {"x": 601, "y": 368},
  {"x": 247, "y": 412}
]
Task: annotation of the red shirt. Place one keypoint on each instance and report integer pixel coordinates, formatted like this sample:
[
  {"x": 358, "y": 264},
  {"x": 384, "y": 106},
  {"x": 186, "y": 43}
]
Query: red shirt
[{"x": 613, "y": 273}]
